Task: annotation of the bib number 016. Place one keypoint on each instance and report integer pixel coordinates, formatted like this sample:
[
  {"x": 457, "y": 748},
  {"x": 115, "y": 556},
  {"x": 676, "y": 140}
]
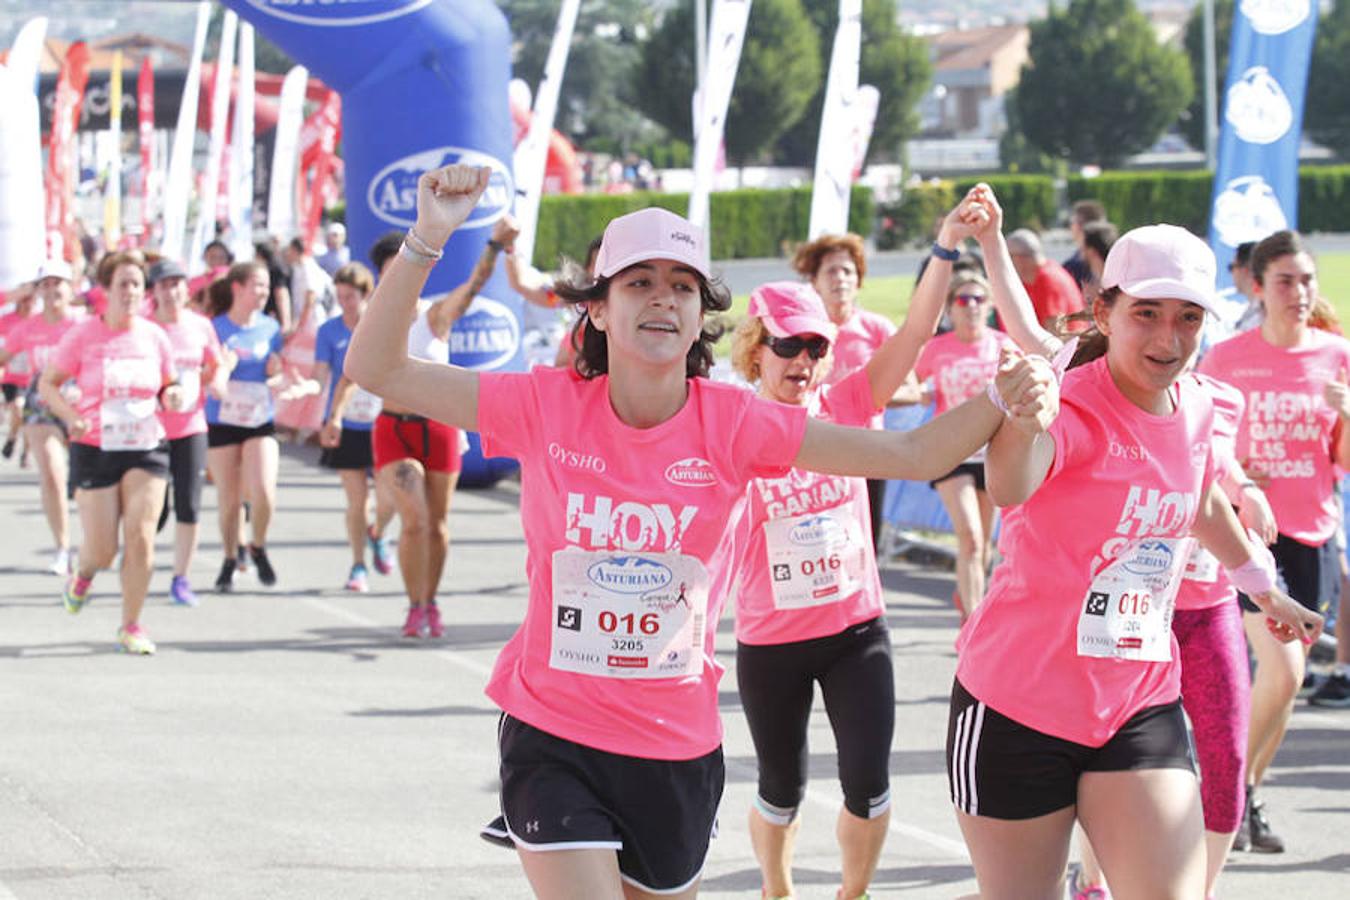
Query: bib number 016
[
  {"x": 629, "y": 623},
  {"x": 821, "y": 564}
]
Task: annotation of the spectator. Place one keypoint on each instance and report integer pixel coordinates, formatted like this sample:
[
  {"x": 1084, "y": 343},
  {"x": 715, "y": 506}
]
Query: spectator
[
  {"x": 1244, "y": 284},
  {"x": 338, "y": 253},
  {"x": 1097, "y": 240},
  {"x": 1083, "y": 214},
  {"x": 1052, "y": 289},
  {"x": 311, "y": 287}
]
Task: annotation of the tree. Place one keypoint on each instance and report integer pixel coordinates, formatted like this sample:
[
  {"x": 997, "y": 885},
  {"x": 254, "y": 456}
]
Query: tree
[
  {"x": 267, "y": 56},
  {"x": 1327, "y": 110},
  {"x": 894, "y": 62},
  {"x": 597, "y": 101},
  {"x": 1193, "y": 119},
  {"x": 1014, "y": 152},
  {"x": 1098, "y": 86},
  {"x": 779, "y": 72}
]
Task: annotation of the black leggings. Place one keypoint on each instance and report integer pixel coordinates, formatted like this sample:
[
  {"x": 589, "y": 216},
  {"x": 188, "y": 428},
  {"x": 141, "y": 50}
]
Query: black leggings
[
  {"x": 776, "y": 682},
  {"x": 187, "y": 468}
]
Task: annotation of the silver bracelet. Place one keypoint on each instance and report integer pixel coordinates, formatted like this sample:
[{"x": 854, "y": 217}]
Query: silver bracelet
[
  {"x": 417, "y": 257},
  {"x": 420, "y": 244}
]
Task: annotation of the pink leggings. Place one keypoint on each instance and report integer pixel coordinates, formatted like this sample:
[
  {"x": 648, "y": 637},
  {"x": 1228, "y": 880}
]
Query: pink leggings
[{"x": 1216, "y": 694}]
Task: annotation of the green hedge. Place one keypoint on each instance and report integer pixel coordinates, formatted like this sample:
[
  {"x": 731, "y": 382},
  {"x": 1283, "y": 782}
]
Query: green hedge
[
  {"x": 1324, "y": 198},
  {"x": 746, "y": 223},
  {"x": 1028, "y": 201}
]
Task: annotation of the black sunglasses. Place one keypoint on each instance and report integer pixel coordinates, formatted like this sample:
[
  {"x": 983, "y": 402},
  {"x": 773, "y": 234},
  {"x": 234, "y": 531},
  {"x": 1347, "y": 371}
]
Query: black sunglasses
[{"x": 788, "y": 348}]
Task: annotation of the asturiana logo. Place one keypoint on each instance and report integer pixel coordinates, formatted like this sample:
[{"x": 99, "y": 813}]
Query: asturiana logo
[
  {"x": 337, "y": 12},
  {"x": 630, "y": 574},
  {"x": 1150, "y": 558},
  {"x": 392, "y": 194},
  {"x": 485, "y": 337},
  {"x": 691, "y": 472},
  {"x": 813, "y": 531}
]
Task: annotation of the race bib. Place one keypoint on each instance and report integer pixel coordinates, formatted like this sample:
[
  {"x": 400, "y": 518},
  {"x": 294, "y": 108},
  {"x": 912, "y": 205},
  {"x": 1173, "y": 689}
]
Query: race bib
[
  {"x": 18, "y": 364},
  {"x": 246, "y": 404},
  {"x": 628, "y": 615},
  {"x": 1202, "y": 566},
  {"x": 190, "y": 384},
  {"x": 1127, "y": 613},
  {"x": 362, "y": 406},
  {"x": 814, "y": 559},
  {"x": 128, "y": 423}
]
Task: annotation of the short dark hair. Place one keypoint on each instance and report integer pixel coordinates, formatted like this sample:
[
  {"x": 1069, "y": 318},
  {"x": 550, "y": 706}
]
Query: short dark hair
[
  {"x": 385, "y": 247},
  {"x": 577, "y": 286},
  {"x": 1086, "y": 211},
  {"x": 1271, "y": 248},
  {"x": 221, "y": 246},
  {"x": 1243, "y": 255},
  {"x": 297, "y": 244},
  {"x": 1099, "y": 236}
]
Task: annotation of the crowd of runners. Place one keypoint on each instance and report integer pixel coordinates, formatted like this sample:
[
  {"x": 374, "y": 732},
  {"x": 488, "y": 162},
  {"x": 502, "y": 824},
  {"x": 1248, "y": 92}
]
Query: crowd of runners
[{"x": 1167, "y": 494}]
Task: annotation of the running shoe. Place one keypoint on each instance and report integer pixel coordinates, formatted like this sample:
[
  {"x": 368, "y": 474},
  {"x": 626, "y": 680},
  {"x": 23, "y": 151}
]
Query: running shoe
[
  {"x": 181, "y": 593},
  {"x": 379, "y": 550},
  {"x": 133, "y": 639},
  {"x": 60, "y": 562},
  {"x": 225, "y": 580},
  {"x": 416, "y": 621},
  {"x": 241, "y": 559},
  {"x": 1078, "y": 892},
  {"x": 434, "y": 627},
  {"x": 76, "y": 594},
  {"x": 1263, "y": 839},
  {"x": 1334, "y": 692},
  {"x": 8, "y": 449},
  {"x": 266, "y": 574},
  {"x": 357, "y": 579}
]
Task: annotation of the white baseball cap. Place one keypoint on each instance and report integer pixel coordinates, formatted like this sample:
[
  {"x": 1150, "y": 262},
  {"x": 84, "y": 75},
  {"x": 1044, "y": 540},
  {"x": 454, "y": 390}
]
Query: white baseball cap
[
  {"x": 55, "y": 268},
  {"x": 1163, "y": 262},
  {"x": 648, "y": 234}
]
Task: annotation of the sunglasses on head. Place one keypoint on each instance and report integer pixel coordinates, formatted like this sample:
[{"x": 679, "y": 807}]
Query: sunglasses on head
[
  {"x": 968, "y": 299},
  {"x": 815, "y": 346}
]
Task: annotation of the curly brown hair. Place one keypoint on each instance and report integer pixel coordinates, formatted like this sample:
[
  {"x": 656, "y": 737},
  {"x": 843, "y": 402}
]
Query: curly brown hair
[{"x": 808, "y": 257}]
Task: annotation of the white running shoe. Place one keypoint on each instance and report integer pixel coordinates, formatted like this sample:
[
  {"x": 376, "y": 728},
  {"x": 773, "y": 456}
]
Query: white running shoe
[{"x": 60, "y": 562}]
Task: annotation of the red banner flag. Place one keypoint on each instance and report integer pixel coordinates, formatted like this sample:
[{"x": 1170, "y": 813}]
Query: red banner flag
[
  {"x": 319, "y": 138},
  {"x": 145, "y": 124},
  {"x": 61, "y": 171}
]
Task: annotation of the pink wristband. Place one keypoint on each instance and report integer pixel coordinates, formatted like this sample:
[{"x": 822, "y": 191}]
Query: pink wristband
[{"x": 1252, "y": 578}]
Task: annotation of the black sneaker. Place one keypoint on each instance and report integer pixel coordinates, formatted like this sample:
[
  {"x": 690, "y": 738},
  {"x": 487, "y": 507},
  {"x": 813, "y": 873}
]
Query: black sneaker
[
  {"x": 266, "y": 574},
  {"x": 241, "y": 559},
  {"x": 225, "y": 580},
  {"x": 1263, "y": 839},
  {"x": 8, "y": 449},
  {"x": 1334, "y": 692}
]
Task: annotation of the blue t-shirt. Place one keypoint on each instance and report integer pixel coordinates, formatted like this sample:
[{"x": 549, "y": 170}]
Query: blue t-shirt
[
  {"x": 252, "y": 345},
  {"x": 330, "y": 346}
]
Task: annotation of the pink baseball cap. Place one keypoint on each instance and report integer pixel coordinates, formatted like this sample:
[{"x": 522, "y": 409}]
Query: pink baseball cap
[
  {"x": 648, "y": 234},
  {"x": 1160, "y": 262},
  {"x": 789, "y": 308}
]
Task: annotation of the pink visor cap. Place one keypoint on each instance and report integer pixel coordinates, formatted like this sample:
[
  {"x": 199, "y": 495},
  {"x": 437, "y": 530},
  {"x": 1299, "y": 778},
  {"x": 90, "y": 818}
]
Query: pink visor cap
[
  {"x": 1163, "y": 262},
  {"x": 789, "y": 308},
  {"x": 648, "y": 234}
]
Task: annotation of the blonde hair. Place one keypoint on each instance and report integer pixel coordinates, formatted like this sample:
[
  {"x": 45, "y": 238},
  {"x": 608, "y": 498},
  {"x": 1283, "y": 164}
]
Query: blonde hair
[{"x": 750, "y": 333}]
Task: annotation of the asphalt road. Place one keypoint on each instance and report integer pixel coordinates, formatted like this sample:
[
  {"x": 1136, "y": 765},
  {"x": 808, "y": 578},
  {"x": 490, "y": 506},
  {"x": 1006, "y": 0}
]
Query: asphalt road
[{"x": 287, "y": 743}]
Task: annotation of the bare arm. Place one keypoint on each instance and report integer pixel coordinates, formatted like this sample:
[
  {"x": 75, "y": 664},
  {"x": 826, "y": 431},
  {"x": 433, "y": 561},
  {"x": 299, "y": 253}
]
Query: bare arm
[
  {"x": 49, "y": 391},
  {"x": 1010, "y": 295},
  {"x": 282, "y": 295},
  {"x": 377, "y": 358},
  {"x": 446, "y": 311},
  {"x": 524, "y": 278}
]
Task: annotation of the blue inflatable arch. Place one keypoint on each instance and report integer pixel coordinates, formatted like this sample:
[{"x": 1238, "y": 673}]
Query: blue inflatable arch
[{"x": 423, "y": 84}]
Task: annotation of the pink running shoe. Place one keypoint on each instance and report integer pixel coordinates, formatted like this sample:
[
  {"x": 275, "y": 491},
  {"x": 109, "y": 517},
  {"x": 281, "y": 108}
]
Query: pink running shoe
[
  {"x": 434, "y": 627},
  {"x": 416, "y": 621}
]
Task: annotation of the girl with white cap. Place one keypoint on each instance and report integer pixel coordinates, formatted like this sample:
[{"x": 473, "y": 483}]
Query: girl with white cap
[
  {"x": 630, "y": 464},
  {"x": 1066, "y": 702},
  {"x": 809, "y": 604}
]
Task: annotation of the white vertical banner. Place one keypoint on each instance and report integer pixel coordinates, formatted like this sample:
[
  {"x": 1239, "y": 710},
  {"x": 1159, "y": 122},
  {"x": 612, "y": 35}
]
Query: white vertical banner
[
  {"x": 726, "y": 35},
  {"x": 241, "y": 152},
  {"x": 23, "y": 229},
  {"x": 178, "y": 184},
  {"x": 864, "y": 120},
  {"x": 532, "y": 154},
  {"x": 220, "y": 111},
  {"x": 835, "y": 146},
  {"x": 281, "y": 217}
]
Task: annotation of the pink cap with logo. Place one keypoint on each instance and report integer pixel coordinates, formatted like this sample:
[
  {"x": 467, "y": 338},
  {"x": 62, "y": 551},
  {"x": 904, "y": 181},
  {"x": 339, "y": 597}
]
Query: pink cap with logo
[
  {"x": 1163, "y": 262},
  {"x": 789, "y": 308},
  {"x": 648, "y": 234}
]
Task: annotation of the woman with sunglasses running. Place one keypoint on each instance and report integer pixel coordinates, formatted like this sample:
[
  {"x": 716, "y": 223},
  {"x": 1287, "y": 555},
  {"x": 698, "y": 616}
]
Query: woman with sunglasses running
[
  {"x": 1066, "y": 702},
  {"x": 631, "y": 463},
  {"x": 960, "y": 364}
]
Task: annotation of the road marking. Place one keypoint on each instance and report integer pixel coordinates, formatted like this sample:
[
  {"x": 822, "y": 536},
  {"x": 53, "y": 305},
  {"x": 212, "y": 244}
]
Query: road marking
[{"x": 459, "y": 659}]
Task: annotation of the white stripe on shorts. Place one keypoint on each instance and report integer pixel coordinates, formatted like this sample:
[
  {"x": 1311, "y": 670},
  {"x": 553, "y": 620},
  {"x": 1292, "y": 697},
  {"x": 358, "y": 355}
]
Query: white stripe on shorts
[{"x": 966, "y": 745}]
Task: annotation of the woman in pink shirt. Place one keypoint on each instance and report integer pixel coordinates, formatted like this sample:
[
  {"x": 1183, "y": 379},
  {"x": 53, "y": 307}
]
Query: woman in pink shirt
[
  {"x": 124, "y": 368},
  {"x": 960, "y": 364},
  {"x": 197, "y": 360},
  {"x": 24, "y": 299},
  {"x": 630, "y": 465},
  {"x": 27, "y": 349},
  {"x": 1066, "y": 703},
  {"x": 1293, "y": 436}
]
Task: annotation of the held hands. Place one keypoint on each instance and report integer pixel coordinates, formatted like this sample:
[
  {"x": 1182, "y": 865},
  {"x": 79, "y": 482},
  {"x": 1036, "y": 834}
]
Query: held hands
[
  {"x": 1288, "y": 619},
  {"x": 967, "y": 219},
  {"x": 1028, "y": 388},
  {"x": 506, "y": 231},
  {"x": 445, "y": 197},
  {"x": 992, "y": 222}
]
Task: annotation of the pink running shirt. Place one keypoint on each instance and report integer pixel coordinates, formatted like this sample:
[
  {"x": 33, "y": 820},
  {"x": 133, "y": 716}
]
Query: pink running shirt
[
  {"x": 620, "y": 525},
  {"x": 799, "y": 547},
  {"x": 120, "y": 374},
  {"x": 959, "y": 370},
  {"x": 12, "y": 375},
  {"x": 1119, "y": 475},
  {"x": 1289, "y": 429},
  {"x": 858, "y": 338},
  {"x": 35, "y": 338},
  {"x": 1206, "y": 586},
  {"x": 195, "y": 345}
]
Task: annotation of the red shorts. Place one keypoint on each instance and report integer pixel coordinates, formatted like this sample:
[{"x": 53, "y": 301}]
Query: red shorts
[{"x": 397, "y": 436}]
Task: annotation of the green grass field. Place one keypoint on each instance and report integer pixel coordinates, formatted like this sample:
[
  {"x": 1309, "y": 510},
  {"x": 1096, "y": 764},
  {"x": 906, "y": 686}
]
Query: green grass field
[{"x": 890, "y": 296}]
